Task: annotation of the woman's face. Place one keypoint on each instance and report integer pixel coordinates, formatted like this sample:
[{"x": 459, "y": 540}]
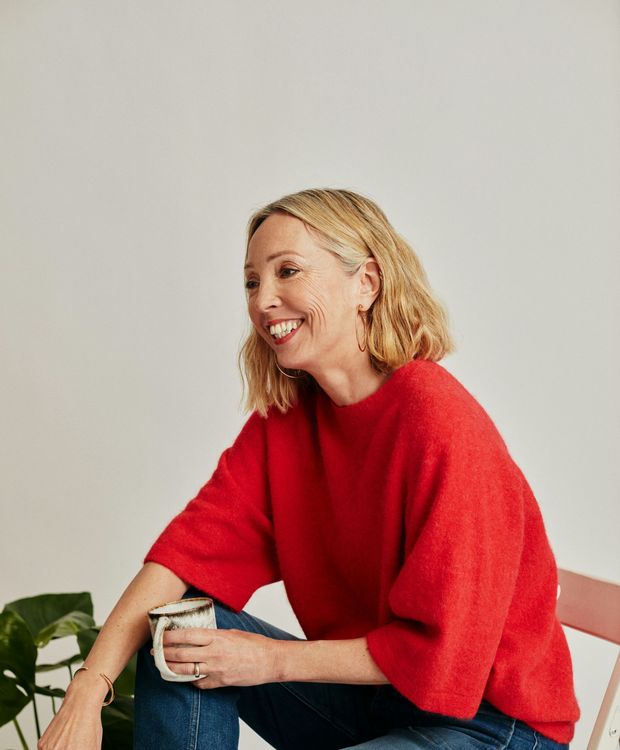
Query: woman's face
[{"x": 290, "y": 278}]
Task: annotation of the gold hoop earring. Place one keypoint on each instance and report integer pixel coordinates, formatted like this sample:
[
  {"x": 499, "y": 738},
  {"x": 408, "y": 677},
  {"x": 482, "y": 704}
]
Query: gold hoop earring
[
  {"x": 365, "y": 321},
  {"x": 286, "y": 373}
]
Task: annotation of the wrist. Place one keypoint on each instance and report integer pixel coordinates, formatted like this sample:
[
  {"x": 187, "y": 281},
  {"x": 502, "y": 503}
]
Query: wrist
[
  {"x": 88, "y": 687},
  {"x": 280, "y": 660}
]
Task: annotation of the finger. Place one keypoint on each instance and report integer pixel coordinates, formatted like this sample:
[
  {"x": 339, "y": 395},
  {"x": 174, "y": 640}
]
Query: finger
[
  {"x": 184, "y": 667},
  {"x": 183, "y": 648},
  {"x": 207, "y": 683},
  {"x": 198, "y": 636},
  {"x": 184, "y": 653},
  {"x": 187, "y": 668}
]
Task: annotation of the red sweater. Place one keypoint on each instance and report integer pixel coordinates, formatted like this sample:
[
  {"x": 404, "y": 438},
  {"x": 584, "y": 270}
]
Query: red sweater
[{"x": 403, "y": 518}]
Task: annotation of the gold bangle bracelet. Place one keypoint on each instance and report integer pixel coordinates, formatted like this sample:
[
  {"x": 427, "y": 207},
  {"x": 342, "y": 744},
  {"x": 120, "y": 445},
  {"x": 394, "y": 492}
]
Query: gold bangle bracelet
[{"x": 106, "y": 678}]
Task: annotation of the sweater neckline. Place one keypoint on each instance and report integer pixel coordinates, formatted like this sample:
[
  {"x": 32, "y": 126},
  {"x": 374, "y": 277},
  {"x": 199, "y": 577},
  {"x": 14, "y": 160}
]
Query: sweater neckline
[{"x": 373, "y": 401}]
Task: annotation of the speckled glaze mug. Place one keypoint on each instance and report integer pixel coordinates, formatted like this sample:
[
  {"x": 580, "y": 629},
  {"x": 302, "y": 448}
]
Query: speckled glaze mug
[{"x": 197, "y": 612}]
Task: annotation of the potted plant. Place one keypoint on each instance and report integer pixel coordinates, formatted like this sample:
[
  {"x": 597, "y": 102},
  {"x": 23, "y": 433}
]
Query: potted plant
[{"x": 28, "y": 625}]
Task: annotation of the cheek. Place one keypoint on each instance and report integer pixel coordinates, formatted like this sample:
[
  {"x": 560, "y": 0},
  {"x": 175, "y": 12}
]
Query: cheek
[
  {"x": 255, "y": 319},
  {"x": 316, "y": 302},
  {"x": 253, "y": 311}
]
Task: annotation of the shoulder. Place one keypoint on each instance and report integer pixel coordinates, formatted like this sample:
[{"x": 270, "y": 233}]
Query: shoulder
[
  {"x": 439, "y": 406},
  {"x": 423, "y": 378},
  {"x": 428, "y": 386}
]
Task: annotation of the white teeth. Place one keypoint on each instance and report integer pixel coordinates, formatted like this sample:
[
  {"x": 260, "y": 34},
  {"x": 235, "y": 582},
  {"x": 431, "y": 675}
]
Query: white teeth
[{"x": 282, "y": 329}]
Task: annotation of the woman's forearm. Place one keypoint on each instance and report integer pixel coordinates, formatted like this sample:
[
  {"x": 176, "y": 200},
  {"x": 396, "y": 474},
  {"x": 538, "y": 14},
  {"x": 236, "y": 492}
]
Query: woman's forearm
[
  {"x": 125, "y": 630},
  {"x": 347, "y": 661}
]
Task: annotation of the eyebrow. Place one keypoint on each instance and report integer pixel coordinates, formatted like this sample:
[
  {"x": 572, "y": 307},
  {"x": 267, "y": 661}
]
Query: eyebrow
[{"x": 275, "y": 255}]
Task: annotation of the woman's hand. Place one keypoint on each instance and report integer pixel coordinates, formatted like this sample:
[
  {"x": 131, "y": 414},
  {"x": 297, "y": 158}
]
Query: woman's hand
[
  {"x": 227, "y": 657},
  {"x": 76, "y": 726}
]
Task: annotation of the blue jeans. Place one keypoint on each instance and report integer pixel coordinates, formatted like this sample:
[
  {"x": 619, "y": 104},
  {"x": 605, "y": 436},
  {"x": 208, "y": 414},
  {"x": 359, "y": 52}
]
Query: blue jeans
[{"x": 306, "y": 715}]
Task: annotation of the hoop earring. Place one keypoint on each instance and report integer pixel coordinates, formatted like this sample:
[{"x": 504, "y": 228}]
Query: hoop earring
[
  {"x": 286, "y": 373},
  {"x": 365, "y": 321}
]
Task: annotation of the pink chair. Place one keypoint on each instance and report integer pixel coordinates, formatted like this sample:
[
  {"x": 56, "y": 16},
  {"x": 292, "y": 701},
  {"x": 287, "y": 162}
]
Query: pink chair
[{"x": 593, "y": 606}]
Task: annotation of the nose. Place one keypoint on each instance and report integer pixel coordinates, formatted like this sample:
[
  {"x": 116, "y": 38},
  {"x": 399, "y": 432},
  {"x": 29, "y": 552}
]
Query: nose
[{"x": 266, "y": 296}]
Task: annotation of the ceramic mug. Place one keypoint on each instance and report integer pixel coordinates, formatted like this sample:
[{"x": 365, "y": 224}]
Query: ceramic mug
[{"x": 197, "y": 612}]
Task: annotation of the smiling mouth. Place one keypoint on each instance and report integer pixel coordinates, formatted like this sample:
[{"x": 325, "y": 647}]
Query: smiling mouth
[
  {"x": 285, "y": 334},
  {"x": 281, "y": 331}
]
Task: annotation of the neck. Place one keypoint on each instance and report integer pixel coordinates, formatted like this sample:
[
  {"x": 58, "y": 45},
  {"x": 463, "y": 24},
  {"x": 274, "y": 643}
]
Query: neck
[{"x": 346, "y": 386}]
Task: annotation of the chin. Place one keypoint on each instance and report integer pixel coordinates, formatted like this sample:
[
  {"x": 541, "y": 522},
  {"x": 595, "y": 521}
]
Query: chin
[
  {"x": 291, "y": 365},
  {"x": 288, "y": 365}
]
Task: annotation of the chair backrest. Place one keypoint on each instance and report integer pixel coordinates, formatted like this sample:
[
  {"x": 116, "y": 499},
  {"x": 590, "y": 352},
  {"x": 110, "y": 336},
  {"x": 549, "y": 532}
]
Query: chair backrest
[{"x": 593, "y": 606}]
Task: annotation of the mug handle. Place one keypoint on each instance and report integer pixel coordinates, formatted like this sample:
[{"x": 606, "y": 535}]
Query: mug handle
[{"x": 158, "y": 651}]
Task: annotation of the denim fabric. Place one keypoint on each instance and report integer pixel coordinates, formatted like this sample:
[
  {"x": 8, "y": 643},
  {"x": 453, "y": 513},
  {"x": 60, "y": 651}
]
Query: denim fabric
[{"x": 306, "y": 715}]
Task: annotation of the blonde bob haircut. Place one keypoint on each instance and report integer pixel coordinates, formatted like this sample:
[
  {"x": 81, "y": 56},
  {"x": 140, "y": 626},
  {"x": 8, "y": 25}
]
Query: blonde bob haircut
[{"x": 406, "y": 321}]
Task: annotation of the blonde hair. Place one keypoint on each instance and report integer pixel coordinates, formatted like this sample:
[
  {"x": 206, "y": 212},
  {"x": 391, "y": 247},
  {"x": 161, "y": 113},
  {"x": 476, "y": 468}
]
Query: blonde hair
[{"x": 406, "y": 321}]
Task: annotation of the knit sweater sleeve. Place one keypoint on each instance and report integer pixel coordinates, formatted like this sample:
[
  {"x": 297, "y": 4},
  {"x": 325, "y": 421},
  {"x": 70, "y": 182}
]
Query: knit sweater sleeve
[
  {"x": 222, "y": 541},
  {"x": 464, "y": 524}
]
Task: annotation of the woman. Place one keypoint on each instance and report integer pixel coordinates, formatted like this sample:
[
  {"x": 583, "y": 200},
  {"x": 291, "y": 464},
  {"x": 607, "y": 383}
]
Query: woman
[{"x": 375, "y": 486}]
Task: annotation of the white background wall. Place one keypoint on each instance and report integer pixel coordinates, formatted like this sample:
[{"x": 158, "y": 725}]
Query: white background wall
[{"x": 135, "y": 140}]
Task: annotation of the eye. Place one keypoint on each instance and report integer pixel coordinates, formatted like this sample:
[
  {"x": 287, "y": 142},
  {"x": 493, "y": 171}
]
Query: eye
[
  {"x": 287, "y": 268},
  {"x": 250, "y": 284}
]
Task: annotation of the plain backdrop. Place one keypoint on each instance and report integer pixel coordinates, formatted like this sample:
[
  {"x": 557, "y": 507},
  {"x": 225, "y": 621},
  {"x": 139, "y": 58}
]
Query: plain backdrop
[{"x": 135, "y": 140}]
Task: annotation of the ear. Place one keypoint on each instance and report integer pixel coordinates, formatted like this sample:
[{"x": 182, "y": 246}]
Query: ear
[{"x": 370, "y": 282}]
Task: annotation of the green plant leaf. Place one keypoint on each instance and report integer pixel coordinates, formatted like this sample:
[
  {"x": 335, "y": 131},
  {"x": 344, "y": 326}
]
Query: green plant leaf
[
  {"x": 60, "y": 664},
  {"x": 117, "y": 721},
  {"x": 12, "y": 700},
  {"x": 86, "y": 638},
  {"x": 49, "y": 691},
  {"x": 18, "y": 656},
  {"x": 54, "y": 615},
  {"x": 70, "y": 624},
  {"x": 125, "y": 682}
]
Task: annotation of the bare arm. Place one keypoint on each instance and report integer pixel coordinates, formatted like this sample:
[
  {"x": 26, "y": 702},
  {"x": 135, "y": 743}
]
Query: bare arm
[
  {"x": 125, "y": 631},
  {"x": 77, "y": 725},
  {"x": 347, "y": 661}
]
